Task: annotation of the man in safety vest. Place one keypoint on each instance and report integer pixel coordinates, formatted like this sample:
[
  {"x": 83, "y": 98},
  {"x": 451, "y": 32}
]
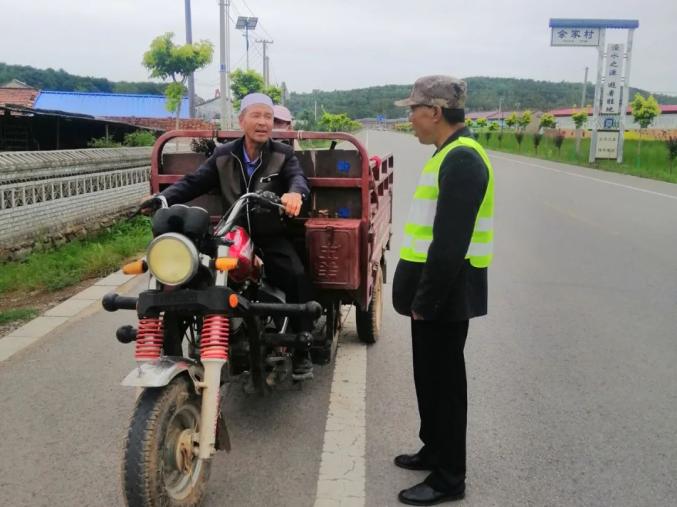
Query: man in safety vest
[{"x": 441, "y": 280}]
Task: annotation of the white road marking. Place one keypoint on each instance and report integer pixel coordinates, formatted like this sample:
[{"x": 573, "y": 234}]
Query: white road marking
[
  {"x": 343, "y": 469},
  {"x": 628, "y": 187}
]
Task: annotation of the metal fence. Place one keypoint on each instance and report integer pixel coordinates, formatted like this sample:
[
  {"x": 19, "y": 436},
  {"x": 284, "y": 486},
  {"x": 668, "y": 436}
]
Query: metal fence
[{"x": 41, "y": 192}]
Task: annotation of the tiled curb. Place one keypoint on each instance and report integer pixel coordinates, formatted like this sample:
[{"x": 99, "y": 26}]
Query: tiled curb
[{"x": 61, "y": 314}]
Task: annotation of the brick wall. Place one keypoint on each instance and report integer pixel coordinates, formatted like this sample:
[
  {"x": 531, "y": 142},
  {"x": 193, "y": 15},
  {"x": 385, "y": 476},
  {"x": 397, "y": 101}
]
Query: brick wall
[{"x": 43, "y": 194}]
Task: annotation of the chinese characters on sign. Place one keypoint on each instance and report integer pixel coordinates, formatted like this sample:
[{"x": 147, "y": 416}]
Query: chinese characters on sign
[
  {"x": 574, "y": 36},
  {"x": 611, "y": 95},
  {"x": 607, "y": 144}
]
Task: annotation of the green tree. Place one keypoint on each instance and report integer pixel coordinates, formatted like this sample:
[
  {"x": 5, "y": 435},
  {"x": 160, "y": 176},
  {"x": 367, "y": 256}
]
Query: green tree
[
  {"x": 579, "y": 118},
  {"x": 274, "y": 92},
  {"x": 305, "y": 120},
  {"x": 244, "y": 82},
  {"x": 493, "y": 126},
  {"x": 547, "y": 121},
  {"x": 511, "y": 121},
  {"x": 166, "y": 60},
  {"x": 337, "y": 123},
  {"x": 481, "y": 123},
  {"x": 470, "y": 124},
  {"x": 524, "y": 120},
  {"x": 644, "y": 111}
]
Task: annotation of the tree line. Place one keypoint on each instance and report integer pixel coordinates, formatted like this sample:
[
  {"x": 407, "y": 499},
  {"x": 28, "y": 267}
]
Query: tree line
[
  {"x": 51, "y": 79},
  {"x": 484, "y": 94}
]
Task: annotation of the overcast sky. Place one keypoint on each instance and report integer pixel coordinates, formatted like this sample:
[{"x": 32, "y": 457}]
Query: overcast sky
[{"x": 331, "y": 44}]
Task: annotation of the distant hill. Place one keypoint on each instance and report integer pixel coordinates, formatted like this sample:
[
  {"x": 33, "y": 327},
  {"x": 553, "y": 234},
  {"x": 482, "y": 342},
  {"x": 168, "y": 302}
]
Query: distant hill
[
  {"x": 61, "y": 80},
  {"x": 483, "y": 92}
]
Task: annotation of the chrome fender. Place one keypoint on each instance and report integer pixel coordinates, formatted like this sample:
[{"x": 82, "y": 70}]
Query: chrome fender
[{"x": 160, "y": 372}]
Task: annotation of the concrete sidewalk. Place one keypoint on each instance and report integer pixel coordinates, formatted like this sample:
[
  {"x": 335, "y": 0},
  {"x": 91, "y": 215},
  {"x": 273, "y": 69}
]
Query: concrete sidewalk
[{"x": 74, "y": 308}]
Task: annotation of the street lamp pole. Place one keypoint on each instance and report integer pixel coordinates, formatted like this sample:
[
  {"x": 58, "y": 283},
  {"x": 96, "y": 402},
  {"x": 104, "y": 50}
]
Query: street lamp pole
[
  {"x": 224, "y": 67},
  {"x": 191, "y": 79}
]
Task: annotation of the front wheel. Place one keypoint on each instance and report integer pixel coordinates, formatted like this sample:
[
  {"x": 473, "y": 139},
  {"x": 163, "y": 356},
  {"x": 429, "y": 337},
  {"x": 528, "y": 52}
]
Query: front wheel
[
  {"x": 369, "y": 322},
  {"x": 159, "y": 466}
]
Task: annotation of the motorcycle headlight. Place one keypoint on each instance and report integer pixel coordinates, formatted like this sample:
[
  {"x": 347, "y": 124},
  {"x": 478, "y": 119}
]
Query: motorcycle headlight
[{"x": 172, "y": 259}]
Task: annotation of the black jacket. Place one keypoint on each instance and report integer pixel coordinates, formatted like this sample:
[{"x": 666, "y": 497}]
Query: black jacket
[
  {"x": 446, "y": 286},
  {"x": 279, "y": 172}
]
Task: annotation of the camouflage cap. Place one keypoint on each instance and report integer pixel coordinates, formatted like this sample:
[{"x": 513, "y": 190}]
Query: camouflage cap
[{"x": 444, "y": 91}]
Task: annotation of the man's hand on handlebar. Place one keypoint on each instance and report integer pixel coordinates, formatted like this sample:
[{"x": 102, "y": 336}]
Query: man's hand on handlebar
[
  {"x": 292, "y": 203},
  {"x": 150, "y": 204}
]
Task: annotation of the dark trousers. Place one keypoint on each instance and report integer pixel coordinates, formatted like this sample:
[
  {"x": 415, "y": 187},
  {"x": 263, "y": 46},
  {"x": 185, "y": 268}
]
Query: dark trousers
[
  {"x": 441, "y": 390},
  {"x": 284, "y": 270}
]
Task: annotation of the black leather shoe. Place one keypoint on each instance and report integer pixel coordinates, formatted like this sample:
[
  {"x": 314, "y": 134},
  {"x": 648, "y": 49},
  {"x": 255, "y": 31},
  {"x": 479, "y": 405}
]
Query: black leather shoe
[
  {"x": 413, "y": 462},
  {"x": 424, "y": 494}
]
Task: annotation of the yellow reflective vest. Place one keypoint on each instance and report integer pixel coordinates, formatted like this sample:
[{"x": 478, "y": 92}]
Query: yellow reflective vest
[{"x": 418, "y": 231}]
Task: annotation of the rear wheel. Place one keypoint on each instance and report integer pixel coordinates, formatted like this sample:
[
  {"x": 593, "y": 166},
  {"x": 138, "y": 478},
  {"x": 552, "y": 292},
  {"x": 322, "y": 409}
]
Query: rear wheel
[
  {"x": 159, "y": 467},
  {"x": 369, "y": 322}
]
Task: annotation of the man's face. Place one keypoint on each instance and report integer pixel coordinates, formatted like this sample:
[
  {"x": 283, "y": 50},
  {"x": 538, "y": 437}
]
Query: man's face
[
  {"x": 257, "y": 123},
  {"x": 423, "y": 122},
  {"x": 281, "y": 125}
]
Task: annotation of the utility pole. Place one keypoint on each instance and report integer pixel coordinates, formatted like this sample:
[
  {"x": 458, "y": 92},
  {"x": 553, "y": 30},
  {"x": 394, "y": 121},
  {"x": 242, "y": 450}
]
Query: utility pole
[
  {"x": 583, "y": 108},
  {"x": 191, "y": 79},
  {"x": 585, "y": 86},
  {"x": 285, "y": 91},
  {"x": 500, "y": 114},
  {"x": 246, "y": 36},
  {"x": 224, "y": 67},
  {"x": 266, "y": 69}
]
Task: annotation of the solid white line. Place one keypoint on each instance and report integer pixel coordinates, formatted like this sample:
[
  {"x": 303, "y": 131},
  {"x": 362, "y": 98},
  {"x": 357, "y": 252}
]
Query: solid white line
[
  {"x": 342, "y": 471},
  {"x": 628, "y": 187}
]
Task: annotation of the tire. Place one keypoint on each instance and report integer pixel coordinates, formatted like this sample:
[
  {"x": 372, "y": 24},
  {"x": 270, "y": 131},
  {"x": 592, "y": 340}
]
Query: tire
[
  {"x": 151, "y": 473},
  {"x": 369, "y": 322}
]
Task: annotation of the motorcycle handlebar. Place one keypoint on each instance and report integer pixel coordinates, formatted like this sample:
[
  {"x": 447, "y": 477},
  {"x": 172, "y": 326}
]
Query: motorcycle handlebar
[{"x": 113, "y": 302}]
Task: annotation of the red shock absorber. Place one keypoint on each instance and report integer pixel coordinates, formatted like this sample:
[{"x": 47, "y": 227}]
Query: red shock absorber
[
  {"x": 149, "y": 339},
  {"x": 214, "y": 337}
]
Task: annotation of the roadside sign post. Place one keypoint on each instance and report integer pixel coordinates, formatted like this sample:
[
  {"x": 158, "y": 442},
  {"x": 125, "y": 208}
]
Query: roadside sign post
[
  {"x": 626, "y": 94},
  {"x": 612, "y": 100}
]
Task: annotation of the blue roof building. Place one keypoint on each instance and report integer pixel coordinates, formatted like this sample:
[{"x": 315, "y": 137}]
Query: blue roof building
[{"x": 108, "y": 104}]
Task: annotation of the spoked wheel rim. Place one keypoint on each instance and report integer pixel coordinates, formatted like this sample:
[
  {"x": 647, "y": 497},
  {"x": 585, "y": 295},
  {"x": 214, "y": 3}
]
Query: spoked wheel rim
[{"x": 181, "y": 467}]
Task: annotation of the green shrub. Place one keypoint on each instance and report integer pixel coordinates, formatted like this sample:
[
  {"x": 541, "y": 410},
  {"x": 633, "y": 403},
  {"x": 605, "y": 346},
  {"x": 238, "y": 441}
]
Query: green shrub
[
  {"x": 102, "y": 142},
  {"x": 139, "y": 138}
]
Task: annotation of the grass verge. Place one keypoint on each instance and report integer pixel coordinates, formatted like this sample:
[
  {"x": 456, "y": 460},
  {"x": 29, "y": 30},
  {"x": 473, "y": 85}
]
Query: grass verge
[
  {"x": 7, "y": 316},
  {"x": 649, "y": 161},
  {"x": 67, "y": 265}
]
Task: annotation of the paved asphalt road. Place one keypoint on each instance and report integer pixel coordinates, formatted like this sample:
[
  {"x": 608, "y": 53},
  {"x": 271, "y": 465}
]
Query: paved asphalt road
[{"x": 572, "y": 379}]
